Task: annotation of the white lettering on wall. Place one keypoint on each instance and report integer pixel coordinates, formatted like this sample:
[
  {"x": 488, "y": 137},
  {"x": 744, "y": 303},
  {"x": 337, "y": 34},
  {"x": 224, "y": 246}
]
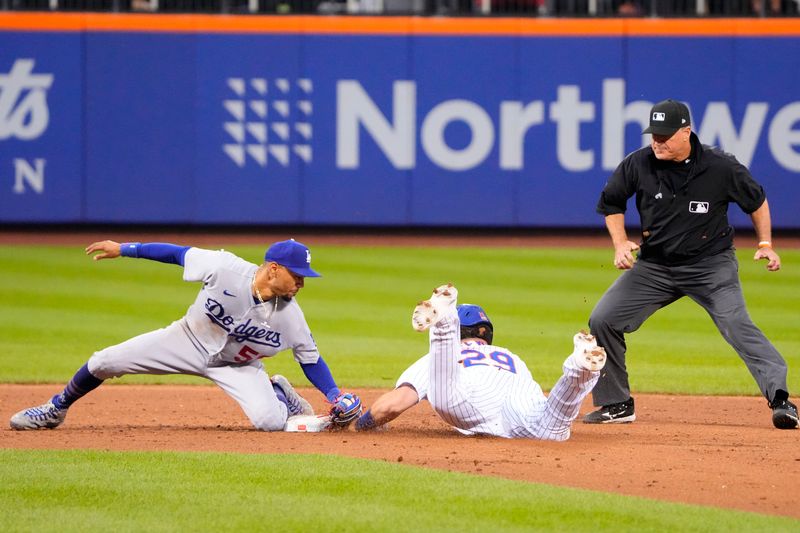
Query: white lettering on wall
[
  {"x": 784, "y": 137},
  {"x": 479, "y": 123},
  {"x": 23, "y": 102},
  {"x": 355, "y": 108},
  {"x": 396, "y": 135},
  {"x": 32, "y": 175}
]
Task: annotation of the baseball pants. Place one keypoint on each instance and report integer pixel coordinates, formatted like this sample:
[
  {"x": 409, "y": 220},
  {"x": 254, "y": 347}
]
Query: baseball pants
[
  {"x": 170, "y": 350},
  {"x": 552, "y": 420},
  {"x": 712, "y": 282}
]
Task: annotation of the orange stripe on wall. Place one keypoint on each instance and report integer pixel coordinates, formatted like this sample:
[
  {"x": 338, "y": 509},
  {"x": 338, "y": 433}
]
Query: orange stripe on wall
[{"x": 343, "y": 25}]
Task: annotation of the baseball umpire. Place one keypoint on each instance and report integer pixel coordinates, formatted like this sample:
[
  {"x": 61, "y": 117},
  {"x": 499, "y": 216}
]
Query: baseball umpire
[
  {"x": 243, "y": 313},
  {"x": 682, "y": 190}
]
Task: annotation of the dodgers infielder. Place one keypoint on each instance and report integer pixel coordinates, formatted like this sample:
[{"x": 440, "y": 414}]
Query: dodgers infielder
[
  {"x": 480, "y": 388},
  {"x": 243, "y": 313}
]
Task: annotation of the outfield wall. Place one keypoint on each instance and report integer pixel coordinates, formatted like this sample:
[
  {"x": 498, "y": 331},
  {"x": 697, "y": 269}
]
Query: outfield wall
[{"x": 372, "y": 121}]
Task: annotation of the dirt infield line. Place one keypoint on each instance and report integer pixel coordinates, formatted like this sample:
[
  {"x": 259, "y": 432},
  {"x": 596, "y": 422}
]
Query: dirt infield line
[{"x": 716, "y": 451}]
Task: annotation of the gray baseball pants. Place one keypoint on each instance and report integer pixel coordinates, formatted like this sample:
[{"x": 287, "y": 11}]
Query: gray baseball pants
[
  {"x": 712, "y": 282},
  {"x": 170, "y": 350}
]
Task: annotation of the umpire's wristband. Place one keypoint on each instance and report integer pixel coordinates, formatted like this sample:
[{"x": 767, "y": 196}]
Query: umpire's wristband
[{"x": 129, "y": 249}]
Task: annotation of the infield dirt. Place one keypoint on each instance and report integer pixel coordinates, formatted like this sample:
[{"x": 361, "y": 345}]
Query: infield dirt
[{"x": 717, "y": 451}]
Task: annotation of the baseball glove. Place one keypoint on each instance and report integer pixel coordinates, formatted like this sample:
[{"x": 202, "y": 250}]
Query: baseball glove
[{"x": 346, "y": 408}]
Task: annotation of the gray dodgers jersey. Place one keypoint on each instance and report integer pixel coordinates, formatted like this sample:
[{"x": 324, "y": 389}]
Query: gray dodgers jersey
[{"x": 225, "y": 321}]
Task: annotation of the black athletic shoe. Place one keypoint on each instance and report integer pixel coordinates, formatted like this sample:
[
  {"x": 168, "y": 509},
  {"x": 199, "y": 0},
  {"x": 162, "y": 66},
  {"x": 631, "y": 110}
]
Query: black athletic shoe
[
  {"x": 784, "y": 414},
  {"x": 615, "y": 413}
]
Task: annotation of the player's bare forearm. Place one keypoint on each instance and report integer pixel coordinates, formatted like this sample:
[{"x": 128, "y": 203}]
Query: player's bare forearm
[
  {"x": 392, "y": 404},
  {"x": 106, "y": 249}
]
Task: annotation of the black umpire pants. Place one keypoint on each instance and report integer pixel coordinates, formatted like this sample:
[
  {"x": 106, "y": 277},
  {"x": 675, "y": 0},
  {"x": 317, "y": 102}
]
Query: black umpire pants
[{"x": 712, "y": 282}]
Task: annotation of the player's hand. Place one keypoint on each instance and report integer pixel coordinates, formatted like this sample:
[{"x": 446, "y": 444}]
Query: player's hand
[
  {"x": 344, "y": 409},
  {"x": 623, "y": 255},
  {"x": 773, "y": 260},
  {"x": 107, "y": 249}
]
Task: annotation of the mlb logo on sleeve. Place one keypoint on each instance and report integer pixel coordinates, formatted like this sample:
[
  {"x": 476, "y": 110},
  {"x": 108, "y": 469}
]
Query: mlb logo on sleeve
[{"x": 698, "y": 207}]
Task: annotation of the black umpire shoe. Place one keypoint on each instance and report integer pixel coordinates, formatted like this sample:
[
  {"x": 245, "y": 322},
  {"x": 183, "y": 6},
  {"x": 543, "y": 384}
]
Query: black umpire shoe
[
  {"x": 784, "y": 414},
  {"x": 617, "y": 413}
]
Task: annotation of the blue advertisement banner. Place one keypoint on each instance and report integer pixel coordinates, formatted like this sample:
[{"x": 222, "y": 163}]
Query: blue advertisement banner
[
  {"x": 405, "y": 130},
  {"x": 41, "y": 127}
]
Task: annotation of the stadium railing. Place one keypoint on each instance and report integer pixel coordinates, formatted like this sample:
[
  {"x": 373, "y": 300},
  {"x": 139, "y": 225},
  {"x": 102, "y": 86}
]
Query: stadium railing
[{"x": 471, "y": 8}]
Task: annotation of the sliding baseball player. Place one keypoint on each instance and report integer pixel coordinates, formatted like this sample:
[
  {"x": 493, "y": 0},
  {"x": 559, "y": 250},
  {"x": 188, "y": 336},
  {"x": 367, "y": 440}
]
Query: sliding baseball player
[{"x": 480, "y": 388}]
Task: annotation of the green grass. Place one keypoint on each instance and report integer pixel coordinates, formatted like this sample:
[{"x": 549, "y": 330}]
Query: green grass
[
  {"x": 142, "y": 491},
  {"x": 57, "y": 307}
]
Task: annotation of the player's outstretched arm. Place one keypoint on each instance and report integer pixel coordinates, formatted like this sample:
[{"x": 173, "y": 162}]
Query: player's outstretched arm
[
  {"x": 388, "y": 407},
  {"x": 162, "y": 252},
  {"x": 106, "y": 249}
]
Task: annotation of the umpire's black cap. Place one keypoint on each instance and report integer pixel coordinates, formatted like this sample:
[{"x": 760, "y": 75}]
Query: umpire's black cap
[{"x": 667, "y": 117}]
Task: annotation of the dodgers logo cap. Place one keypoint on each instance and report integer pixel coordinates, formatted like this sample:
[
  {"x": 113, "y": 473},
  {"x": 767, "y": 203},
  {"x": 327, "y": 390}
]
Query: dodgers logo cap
[
  {"x": 470, "y": 315},
  {"x": 293, "y": 255},
  {"x": 667, "y": 117}
]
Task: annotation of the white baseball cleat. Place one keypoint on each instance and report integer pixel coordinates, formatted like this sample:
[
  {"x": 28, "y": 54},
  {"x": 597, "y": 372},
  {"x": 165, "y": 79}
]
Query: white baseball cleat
[
  {"x": 587, "y": 355},
  {"x": 45, "y": 416},
  {"x": 429, "y": 312},
  {"x": 583, "y": 341},
  {"x": 296, "y": 404},
  {"x": 594, "y": 360}
]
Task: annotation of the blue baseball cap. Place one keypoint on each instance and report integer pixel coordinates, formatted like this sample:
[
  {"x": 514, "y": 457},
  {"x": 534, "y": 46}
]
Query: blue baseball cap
[
  {"x": 293, "y": 255},
  {"x": 470, "y": 315}
]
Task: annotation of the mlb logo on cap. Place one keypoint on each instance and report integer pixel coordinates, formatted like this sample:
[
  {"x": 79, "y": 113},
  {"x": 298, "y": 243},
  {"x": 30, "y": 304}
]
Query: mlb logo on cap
[
  {"x": 659, "y": 116},
  {"x": 293, "y": 255}
]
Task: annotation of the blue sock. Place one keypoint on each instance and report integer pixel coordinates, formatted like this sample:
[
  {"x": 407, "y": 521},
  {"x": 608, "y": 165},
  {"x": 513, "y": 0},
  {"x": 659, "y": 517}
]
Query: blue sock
[
  {"x": 280, "y": 394},
  {"x": 82, "y": 383},
  {"x": 365, "y": 422}
]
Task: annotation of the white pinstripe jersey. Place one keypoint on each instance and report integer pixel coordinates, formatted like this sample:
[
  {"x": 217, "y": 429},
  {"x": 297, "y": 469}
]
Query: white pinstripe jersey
[{"x": 493, "y": 393}]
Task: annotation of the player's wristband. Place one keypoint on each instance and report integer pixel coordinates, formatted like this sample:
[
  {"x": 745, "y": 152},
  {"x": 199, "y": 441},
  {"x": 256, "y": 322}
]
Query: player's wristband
[
  {"x": 365, "y": 422},
  {"x": 765, "y": 244},
  {"x": 129, "y": 249}
]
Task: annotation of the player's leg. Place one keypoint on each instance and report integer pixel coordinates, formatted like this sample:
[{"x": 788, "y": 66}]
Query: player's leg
[
  {"x": 444, "y": 391},
  {"x": 169, "y": 350},
  {"x": 581, "y": 371},
  {"x": 53, "y": 412},
  {"x": 631, "y": 299},
  {"x": 714, "y": 284},
  {"x": 252, "y": 389},
  {"x": 164, "y": 351}
]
